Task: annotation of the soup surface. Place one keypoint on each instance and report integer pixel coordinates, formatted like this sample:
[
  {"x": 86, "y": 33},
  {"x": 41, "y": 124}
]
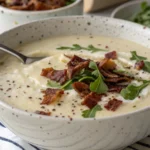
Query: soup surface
[{"x": 21, "y": 85}]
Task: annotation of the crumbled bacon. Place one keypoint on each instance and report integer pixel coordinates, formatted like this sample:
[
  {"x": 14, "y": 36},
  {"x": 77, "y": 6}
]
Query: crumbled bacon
[
  {"x": 113, "y": 104},
  {"x": 108, "y": 74},
  {"x": 111, "y": 55},
  {"x": 107, "y": 64},
  {"x": 75, "y": 65},
  {"x": 118, "y": 79},
  {"x": 115, "y": 88},
  {"x": 56, "y": 75},
  {"x": 92, "y": 99},
  {"x": 139, "y": 65},
  {"x": 51, "y": 95},
  {"x": 43, "y": 113},
  {"x": 81, "y": 88}
]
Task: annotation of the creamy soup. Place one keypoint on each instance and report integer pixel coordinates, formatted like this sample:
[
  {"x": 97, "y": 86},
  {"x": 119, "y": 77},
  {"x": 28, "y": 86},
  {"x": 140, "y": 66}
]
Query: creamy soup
[{"x": 21, "y": 85}]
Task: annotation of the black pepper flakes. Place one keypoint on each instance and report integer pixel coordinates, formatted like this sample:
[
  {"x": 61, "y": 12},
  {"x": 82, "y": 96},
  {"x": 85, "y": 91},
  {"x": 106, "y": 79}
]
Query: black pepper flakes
[
  {"x": 8, "y": 89},
  {"x": 43, "y": 107},
  {"x": 59, "y": 104}
]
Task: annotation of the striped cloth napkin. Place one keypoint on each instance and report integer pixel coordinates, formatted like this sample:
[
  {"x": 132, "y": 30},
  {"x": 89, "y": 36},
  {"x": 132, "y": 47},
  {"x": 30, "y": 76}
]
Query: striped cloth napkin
[{"x": 9, "y": 141}]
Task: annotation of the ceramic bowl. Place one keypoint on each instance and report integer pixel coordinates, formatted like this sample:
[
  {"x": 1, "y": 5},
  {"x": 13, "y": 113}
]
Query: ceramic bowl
[
  {"x": 11, "y": 18},
  {"x": 127, "y": 10},
  {"x": 110, "y": 133}
]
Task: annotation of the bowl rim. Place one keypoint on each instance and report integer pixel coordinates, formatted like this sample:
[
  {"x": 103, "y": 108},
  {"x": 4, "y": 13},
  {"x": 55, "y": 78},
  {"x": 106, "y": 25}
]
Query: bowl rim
[
  {"x": 125, "y": 5},
  {"x": 37, "y": 116},
  {"x": 20, "y": 12}
]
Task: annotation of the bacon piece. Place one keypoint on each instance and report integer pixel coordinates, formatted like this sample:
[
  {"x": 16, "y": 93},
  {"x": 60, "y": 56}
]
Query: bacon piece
[
  {"x": 43, "y": 113},
  {"x": 139, "y": 65},
  {"x": 108, "y": 74},
  {"x": 115, "y": 88},
  {"x": 111, "y": 55},
  {"x": 81, "y": 88},
  {"x": 107, "y": 64},
  {"x": 75, "y": 65},
  {"x": 92, "y": 99},
  {"x": 56, "y": 75},
  {"x": 113, "y": 104},
  {"x": 51, "y": 95},
  {"x": 118, "y": 79}
]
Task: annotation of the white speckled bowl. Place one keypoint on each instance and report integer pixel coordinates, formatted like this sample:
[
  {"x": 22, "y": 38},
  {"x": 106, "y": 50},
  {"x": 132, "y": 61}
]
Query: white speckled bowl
[
  {"x": 110, "y": 133},
  {"x": 11, "y": 18},
  {"x": 127, "y": 10}
]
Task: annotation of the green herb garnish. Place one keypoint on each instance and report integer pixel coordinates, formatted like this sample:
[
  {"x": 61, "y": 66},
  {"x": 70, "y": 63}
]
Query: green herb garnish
[
  {"x": 136, "y": 57},
  {"x": 143, "y": 17},
  {"x": 92, "y": 112},
  {"x": 70, "y": 2},
  {"x": 132, "y": 91},
  {"x": 67, "y": 85},
  {"x": 77, "y": 47},
  {"x": 119, "y": 71},
  {"x": 54, "y": 84},
  {"x": 140, "y": 58},
  {"x": 146, "y": 66},
  {"x": 98, "y": 85}
]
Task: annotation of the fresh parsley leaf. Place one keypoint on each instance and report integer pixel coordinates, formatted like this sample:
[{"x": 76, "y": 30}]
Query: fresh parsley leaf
[
  {"x": 94, "y": 49},
  {"x": 70, "y": 2},
  {"x": 92, "y": 112},
  {"x": 67, "y": 85},
  {"x": 146, "y": 66},
  {"x": 140, "y": 58},
  {"x": 98, "y": 86},
  {"x": 77, "y": 47},
  {"x": 74, "y": 47},
  {"x": 119, "y": 71},
  {"x": 132, "y": 91},
  {"x": 136, "y": 57},
  {"x": 54, "y": 84},
  {"x": 93, "y": 65},
  {"x": 86, "y": 78},
  {"x": 95, "y": 73}
]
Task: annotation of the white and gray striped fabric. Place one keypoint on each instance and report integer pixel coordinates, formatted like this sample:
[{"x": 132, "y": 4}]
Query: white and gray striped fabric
[{"x": 9, "y": 141}]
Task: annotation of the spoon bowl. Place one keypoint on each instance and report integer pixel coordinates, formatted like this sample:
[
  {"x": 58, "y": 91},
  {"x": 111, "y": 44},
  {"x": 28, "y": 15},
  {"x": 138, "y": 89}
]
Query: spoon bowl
[{"x": 23, "y": 58}]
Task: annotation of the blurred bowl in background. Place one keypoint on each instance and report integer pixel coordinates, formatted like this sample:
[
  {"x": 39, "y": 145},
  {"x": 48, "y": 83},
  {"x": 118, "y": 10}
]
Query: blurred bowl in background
[
  {"x": 11, "y": 18},
  {"x": 128, "y": 10}
]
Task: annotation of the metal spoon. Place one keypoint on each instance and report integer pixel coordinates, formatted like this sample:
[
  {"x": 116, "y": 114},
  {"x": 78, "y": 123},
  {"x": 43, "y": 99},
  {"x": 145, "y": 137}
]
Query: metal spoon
[{"x": 23, "y": 58}]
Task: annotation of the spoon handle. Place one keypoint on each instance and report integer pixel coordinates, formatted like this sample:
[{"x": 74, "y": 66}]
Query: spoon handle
[{"x": 13, "y": 52}]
